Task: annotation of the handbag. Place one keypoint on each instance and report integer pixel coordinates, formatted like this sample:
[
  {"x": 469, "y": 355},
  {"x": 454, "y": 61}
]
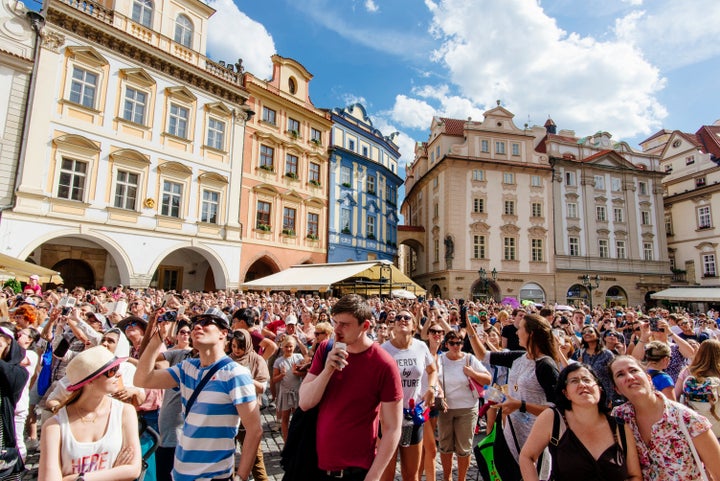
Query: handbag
[
  {"x": 299, "y": 457},
  {"x": 477, "y": 389},
  {"x": 494, "y": 459}
]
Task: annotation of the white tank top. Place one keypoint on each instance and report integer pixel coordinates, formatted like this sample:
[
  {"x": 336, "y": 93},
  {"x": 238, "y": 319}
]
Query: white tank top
[{"x": 80, "y": 457}]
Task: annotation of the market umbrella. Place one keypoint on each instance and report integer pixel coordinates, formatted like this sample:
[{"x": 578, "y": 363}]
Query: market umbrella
[
  {"x": 511, "y": 301},
  {"x": 403, "y": 294},
  {"x": 11, "y": 267}
]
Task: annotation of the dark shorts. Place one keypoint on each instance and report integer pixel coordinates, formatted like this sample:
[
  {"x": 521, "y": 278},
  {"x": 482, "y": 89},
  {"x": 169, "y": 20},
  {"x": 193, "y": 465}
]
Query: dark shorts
[{"x": 411, "y": 435}]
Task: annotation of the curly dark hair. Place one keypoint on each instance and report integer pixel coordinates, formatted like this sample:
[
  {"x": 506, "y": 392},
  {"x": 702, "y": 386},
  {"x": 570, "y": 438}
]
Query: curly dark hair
[{"x": 562, "y": 402}]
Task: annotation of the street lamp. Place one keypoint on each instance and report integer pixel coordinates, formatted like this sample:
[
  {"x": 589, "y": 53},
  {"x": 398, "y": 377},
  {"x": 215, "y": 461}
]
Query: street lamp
[
  {"x": 484, "y": 282},
  {"x": 588, "y": 283}
]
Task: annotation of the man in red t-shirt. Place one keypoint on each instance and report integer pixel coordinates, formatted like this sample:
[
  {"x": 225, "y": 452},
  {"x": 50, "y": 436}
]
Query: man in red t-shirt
[{"x": 351, "y": 387}]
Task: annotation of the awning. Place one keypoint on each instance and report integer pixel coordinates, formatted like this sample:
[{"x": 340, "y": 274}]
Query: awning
[
  {"x": 371, "y": 277},
  {"x": 11, "y": 267},
  {"x": 689, "y": 294}
]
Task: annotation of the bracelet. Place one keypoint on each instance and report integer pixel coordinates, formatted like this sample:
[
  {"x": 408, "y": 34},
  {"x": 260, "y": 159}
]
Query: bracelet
[{"x": 523, "y": 406}]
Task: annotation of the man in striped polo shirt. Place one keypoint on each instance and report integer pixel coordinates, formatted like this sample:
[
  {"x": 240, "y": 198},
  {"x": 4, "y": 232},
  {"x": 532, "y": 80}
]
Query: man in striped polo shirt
[{"x": 206, "y": 447}]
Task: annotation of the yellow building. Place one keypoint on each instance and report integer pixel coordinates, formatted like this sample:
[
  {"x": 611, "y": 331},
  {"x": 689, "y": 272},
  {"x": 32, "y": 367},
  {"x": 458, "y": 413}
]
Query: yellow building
[
  {"x": 131, "y": 173},
  {"x": 285, "y": 190}
]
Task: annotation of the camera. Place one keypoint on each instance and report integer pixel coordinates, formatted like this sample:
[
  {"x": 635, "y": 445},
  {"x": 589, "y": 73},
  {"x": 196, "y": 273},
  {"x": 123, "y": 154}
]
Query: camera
[{"x": 169, "y": 316}]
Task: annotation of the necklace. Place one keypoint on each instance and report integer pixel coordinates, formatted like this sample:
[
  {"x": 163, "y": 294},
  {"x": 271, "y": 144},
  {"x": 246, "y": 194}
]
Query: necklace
[{"x": 85, "y": 419}]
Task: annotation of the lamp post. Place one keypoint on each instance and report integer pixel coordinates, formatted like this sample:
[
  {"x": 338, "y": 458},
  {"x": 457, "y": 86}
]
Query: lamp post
[
  {"x": 484, "y": 281},
  {"x": 588, "y": 283}
]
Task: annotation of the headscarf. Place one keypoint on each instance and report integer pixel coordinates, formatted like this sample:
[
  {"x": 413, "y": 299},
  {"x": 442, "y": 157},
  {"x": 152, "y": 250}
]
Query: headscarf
[{"x": 252, "y": 360}]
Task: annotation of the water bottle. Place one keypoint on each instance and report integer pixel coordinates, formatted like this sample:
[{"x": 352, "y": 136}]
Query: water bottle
[{"x": 494, "y": 394}]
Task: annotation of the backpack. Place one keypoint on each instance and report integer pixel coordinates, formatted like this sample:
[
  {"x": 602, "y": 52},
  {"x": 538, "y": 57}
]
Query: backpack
[{"x": 704, "y": 398}]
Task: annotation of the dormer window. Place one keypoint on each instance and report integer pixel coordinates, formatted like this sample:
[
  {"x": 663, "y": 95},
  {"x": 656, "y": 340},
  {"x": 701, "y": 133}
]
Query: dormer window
[{"x": 292, "y": 86}]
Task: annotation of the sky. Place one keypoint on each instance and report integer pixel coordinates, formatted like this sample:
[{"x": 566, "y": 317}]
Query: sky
[{"x": 628, "y": 67}]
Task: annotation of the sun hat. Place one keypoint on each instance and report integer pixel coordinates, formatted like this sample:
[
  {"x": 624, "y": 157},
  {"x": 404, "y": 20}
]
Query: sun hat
[
  {"x": 7, "y": 332},
  {"x": 89, "y": 365},
  {"x": 123, "y": 325}
]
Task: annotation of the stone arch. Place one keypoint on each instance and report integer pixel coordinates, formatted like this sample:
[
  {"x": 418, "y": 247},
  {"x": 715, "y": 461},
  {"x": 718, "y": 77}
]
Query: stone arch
[{"x": 217, "y": 265}]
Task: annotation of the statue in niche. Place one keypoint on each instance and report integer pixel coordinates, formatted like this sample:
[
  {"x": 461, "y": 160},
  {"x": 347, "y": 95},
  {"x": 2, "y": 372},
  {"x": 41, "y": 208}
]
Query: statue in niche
[{"x": 449, "y": 251}]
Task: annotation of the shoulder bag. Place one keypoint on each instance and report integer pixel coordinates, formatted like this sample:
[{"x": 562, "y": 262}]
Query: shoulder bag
[{"x": 208, "y": 375}]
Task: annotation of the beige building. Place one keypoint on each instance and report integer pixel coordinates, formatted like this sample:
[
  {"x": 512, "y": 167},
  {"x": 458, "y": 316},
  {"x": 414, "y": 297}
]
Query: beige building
[
  {"x": 131, "y": 171},
  {"x": 609, "y": 222},
  {"x": 692, "y": 198},
  {"x": 478, "y": 199}
]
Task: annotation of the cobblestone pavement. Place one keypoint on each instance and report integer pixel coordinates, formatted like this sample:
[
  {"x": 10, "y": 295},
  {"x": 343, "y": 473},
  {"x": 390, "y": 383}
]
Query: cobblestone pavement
[{"x": 272, "y": 445}]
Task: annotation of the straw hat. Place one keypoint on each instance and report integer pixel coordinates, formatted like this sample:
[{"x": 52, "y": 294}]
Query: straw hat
[{"x": 89, "y": 365}]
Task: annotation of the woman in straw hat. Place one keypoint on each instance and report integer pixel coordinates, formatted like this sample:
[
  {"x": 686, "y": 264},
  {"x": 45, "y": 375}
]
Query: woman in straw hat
[{"x": 81, "y": 442}]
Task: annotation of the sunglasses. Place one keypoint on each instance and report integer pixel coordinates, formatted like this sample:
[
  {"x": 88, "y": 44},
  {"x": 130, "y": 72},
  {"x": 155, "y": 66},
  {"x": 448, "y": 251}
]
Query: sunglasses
[
  {"x": 184, "y": 331},
  {"x": 454, "y": 343},
  {"x": 204, "y": 321},
  {"x": 112, "y": 372},
  {"x": 436, "y": 331},
  {"x": 403, "y": 317},
  {"x": 320, "y": 333}
]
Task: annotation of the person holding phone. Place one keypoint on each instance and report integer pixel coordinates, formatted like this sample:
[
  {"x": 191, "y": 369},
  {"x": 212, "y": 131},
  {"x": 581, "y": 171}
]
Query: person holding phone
[{"x": 680, "y": 350}]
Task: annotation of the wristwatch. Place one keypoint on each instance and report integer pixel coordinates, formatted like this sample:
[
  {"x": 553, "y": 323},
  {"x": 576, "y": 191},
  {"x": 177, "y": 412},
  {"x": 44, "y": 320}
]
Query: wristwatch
[{"x": 523, "y": 406}]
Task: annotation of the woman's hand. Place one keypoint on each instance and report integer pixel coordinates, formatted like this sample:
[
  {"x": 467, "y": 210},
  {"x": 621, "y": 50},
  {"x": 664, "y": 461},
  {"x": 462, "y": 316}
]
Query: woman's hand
[{"x": 510, "y": 405}]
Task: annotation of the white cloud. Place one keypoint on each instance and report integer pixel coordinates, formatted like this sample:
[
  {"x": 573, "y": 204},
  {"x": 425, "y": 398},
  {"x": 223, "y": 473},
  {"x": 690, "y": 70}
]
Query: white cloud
[
  {"x": 674, "y": 34},
  {"x": 412, "y": 113},
  {"x": 371, "y": 6},
  {"x": 233, "y": 35},
  {"x": 513, "y": 51}
]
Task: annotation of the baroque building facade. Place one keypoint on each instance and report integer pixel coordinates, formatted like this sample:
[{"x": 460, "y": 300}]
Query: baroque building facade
[
  {"x": 691, "y": 185},
  {"x": 132, "y": 163},
  {"x": 363, "y": 186},
  {"x": 610, "y": 246},
  {"x": 478, "y": 211},
  {"x": 285, "y": 173}
]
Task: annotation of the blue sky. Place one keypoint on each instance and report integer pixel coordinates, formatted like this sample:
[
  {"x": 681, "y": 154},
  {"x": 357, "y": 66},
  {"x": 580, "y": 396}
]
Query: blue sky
[{"x": 629, "y": 67}]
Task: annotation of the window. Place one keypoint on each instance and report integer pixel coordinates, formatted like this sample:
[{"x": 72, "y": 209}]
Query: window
[
  {"x": 210, "y": 205},
  {"x": 345, "y": 177},
  {"x": 291, "y": 165},
  {"x": 313, "y": 222},
  {"x": 71, "y": 185},
  {"x": 535, "y": 181},
  {"x": 479, "y": 247},
  {"x": 391, "y": 193},
  {"x": 708, "y": 261},
  {"x": 478, "y": 205},
  {"x": 700, "y": 182},
  {"x": 600, "y": 182},
  {"x": 642, "y": 188},
  {"x": 316, "y": 136},
  {"x": 263, "y": 215},
  {"x": 484, "y": 146},
  {"x": 618, "y": 215},
  {"x": 314, "y": 172},
  {"x": 509, "y": 248},
  {"x": 574, "y": 244},
  {"x": 365, "y": 151},
  {"x": 516, "y": 149},
  {"x": 292, "y": 86},
  {"x": 570, "y": 178},
  {"x": 126, "y": 185},
  {"x": 601, "y": 214},
  {"x": 509, "y": 207},
  {"x": 436, "y": 210},
  {"x": 603, "y": 249},
  {"x": 178, "y": 121},
  {"x": 647, "y": 251},
  {"x": 704, "y": 217},
  {"x": 351, "y": 145},
  {"x": 216, "y": 134},
  {"x": 289, "y": 220},
  {"x": 537, "y": 250},
  {"x": 293, "y": 126},
  {"x": 668, "y": 168},
  {"x": 142, "y": 12},
  {"x": 83, "y": 87},
  {"x": 183, "y": 31},
  {"x": 436, "y": 181},
  {"x": 370, "y": 227},
  {"x": 500, "y": 148},
  {"x": 690, "y": 160},
  {"x": 135, "y": 103},
  {"x": 645, "y": 217},
  {"x": 668, "y": 224},
  {"x": 572, "y": 210},
  {"x": 171, "y": 199},
  {"x": 268, "y": 115},
  {"x": 437, "y": 152},
  {"x": 345, "y": 220},
  {"x": 615, "y": 184},
  {"x": 432, "y": 157},
  {"x": 478, "y": 175},
  {"x": 620, "y": 249},
  {"x": 370, "y": 184},
  {"x": 436, "y": 250},
  {"x": 266, "y": 157},
  {"x": 537, "y": 209},
  {"x": 508, "y": 178}
]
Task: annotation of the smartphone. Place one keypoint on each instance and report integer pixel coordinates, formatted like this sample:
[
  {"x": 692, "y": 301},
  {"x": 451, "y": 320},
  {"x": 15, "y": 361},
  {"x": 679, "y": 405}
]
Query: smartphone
[
  {"x": 654, "y": 324},
  {"x": 431, "y": 302},
  {"x": 66, "y": 304},
  {"x": 343, "y": 346}
]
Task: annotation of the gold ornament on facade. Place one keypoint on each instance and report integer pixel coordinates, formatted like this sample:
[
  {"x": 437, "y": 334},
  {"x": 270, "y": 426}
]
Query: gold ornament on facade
[{"x": 149, "y": 203}]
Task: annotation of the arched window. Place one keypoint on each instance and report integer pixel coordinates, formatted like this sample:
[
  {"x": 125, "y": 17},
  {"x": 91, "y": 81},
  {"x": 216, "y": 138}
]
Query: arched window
[
  {"x": 183, "y": 31},
  {"x": 142, "y": 12}
]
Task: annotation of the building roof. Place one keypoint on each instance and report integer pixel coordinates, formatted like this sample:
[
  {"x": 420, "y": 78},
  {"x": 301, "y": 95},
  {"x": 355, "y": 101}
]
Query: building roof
[
  {"x": 709, "y": 137},
  {"x": 454, "y": 127}
]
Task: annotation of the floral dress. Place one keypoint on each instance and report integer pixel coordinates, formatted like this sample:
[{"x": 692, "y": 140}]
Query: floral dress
[{"x": 668, "y": 456}]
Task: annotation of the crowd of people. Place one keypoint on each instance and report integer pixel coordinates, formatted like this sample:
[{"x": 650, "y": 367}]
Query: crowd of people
[{"x": 604, "y": 393}]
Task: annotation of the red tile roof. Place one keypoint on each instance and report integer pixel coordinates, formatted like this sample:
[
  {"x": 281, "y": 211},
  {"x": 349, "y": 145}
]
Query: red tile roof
[
  {"x": 602, "y": 153},
  {"x": 709, "y": 138},
  {"x": 454, "y": 127}
]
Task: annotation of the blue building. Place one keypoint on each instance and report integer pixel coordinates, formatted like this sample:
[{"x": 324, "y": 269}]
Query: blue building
[{"x": 363, "y": 184}]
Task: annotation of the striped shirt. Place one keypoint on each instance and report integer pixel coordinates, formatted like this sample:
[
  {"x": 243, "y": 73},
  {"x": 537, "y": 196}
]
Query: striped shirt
[{"x": 206, "y": 447}]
